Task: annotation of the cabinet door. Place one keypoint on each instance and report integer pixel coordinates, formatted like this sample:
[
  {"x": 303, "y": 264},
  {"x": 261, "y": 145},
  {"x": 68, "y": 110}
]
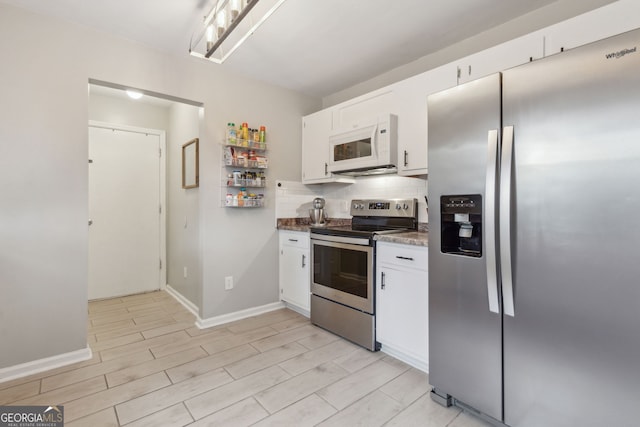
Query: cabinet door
[
  {"x": 615, "y": 18},
  {"x": 363, "y": 108},
  {"x": 499, "y": 58},
  {"x": 402, "y": 311},
  {"x": 294, "y": 275},
  {"x": 316, "y": 128},
  {"x": 410, "y": 104}
]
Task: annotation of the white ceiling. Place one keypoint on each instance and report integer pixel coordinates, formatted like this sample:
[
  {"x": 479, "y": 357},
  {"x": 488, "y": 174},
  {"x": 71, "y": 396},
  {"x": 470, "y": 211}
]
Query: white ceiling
[{"x": 317, "y": 47}]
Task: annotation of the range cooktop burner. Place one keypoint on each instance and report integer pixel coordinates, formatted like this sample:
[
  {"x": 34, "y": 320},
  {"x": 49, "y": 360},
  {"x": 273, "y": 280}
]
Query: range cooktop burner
[{"x": 348, "y": 230}]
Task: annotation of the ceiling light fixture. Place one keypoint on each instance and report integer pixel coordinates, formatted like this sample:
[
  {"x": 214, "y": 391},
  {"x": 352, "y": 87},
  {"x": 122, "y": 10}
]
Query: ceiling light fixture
[
  {"x": 228, "y": 25},
  {"x": 134, "y": 94}
]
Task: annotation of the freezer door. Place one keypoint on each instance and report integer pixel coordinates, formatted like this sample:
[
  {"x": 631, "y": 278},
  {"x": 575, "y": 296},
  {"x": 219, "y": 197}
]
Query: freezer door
[
  {"x": 465, "y": 336},
  {"x": 572, "y": 349}
]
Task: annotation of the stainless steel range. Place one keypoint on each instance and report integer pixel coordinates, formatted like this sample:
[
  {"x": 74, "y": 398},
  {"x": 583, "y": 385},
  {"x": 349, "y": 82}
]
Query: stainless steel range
[{"x": 343, "y": 267}]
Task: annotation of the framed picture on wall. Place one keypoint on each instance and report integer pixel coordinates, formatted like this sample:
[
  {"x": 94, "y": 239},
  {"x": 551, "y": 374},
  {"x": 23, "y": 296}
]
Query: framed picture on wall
[{"x": 190, "y": 164}]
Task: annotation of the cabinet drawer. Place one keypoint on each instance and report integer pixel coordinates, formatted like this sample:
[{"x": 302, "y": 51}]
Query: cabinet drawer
[
  {"x": 402, "y": 255},
  {"x": 298, "y": 239}
]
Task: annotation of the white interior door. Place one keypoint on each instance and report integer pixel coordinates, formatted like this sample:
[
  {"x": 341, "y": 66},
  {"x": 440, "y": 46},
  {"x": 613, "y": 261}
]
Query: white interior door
[{"x": 124, "y": 210}]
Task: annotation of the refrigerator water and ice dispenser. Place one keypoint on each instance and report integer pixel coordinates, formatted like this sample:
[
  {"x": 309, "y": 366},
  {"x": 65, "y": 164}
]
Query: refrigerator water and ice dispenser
[{"x": 461, "y": 225}]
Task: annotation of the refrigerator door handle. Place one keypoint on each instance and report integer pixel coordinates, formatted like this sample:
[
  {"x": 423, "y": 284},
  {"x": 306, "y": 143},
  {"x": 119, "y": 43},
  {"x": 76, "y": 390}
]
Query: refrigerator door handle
[
  {"x": 505, "y": 221},
  {"x": 490, "y": 220}
]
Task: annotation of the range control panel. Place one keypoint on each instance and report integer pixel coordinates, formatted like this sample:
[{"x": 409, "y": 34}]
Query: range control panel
[{"x": 388, "y": 207}]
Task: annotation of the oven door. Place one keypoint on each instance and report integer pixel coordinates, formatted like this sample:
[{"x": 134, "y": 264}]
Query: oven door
[{"x": 342, "y": 271}]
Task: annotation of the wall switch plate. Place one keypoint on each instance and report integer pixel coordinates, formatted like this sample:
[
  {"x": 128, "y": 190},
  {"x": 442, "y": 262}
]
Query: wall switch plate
[{"x": 228, "y": 283}]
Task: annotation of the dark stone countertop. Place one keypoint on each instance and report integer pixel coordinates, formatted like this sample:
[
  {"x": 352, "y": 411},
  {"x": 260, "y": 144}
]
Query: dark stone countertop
[
  {"x": 304, "y": 224},
  {"x": 414, "y": 238}
]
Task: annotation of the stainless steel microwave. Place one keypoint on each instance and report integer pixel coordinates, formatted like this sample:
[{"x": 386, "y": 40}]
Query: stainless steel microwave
[{"x": 367, "y": 146}]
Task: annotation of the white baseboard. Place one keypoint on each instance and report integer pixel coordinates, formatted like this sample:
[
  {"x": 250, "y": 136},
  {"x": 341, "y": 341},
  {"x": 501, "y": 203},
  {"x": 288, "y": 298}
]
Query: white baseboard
[
  {"x": 224, "y": 318},
  {"x": 182, "y": 300},
  {"x": 41, "y": 365},
  {"x": 237, "y": 315},
  {"x": 299, "y": 310},
  {"x": 417, "y": 363}
]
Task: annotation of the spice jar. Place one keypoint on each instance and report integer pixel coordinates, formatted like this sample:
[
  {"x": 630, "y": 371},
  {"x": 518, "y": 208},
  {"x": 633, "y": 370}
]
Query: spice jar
[
  {"x": 245, "y": 132},
  {"x": 237, "y": 176},
  {"x": 263, "y": 134}
]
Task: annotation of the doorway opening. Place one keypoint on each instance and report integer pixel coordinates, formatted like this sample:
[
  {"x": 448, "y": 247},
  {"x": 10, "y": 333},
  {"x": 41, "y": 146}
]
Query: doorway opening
[{"x": 144, "y": 227}]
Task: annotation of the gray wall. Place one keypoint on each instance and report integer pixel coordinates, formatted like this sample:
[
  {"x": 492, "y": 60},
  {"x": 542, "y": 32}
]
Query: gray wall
[
  {"x": 183, "y": 209},
  {"x": 43, "y": 167},
  {"x": 129, "y": 112}
]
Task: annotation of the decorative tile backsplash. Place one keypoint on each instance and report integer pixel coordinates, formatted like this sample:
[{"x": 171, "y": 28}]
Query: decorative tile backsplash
[{"x": 294, "y": 199}]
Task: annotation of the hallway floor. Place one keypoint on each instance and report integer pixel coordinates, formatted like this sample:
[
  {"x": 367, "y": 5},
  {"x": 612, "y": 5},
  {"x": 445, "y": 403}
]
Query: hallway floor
[{"x": 152, "y": 367}]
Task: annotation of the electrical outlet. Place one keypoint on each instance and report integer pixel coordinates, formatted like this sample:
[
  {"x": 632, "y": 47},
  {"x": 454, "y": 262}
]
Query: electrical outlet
[
  {"x": 185, "y": 272},
  {"x": 228, "y": 283}
]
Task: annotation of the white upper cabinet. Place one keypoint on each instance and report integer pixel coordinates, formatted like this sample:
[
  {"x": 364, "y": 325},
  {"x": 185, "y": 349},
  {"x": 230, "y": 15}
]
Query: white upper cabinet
[
  {"x": 316, "y": 129},
  {"x": 501, "y": 57},
  {"x": 410, "y": 104},
  {"x": 607, "y": 21},
  {"x": 363, "y": 108},
  {"x": 315, "y": 147},
  {"x": 408, "y": 98}
]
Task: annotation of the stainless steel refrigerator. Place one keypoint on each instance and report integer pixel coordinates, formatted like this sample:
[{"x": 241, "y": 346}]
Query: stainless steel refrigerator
[{"x": 534, "y": 235}]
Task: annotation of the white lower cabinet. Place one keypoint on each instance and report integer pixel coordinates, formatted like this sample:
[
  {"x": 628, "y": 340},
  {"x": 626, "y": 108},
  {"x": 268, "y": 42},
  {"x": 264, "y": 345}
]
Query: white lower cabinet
[
  {"x": 294, "y": 270},
  {"x": 402, "y": 303}
]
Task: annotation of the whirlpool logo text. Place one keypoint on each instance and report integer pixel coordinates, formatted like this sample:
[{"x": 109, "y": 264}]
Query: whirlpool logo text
[{"x": 621, "y": 53}]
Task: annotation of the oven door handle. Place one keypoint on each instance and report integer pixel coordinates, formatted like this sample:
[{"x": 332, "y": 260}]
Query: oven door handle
[{"x": 362, "y": 241}]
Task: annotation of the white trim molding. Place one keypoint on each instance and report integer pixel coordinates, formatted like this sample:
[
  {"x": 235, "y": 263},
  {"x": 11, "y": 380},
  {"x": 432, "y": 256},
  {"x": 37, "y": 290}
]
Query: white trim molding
[
  {"x": 405, "y": 357},
  {"x": 303, "y": 311},
  {"x": 223, "y": 318},
  {"x": 193, "y": 309},
  {"x": 238, "y": 315},
  {"x": 41, "y": 365}
]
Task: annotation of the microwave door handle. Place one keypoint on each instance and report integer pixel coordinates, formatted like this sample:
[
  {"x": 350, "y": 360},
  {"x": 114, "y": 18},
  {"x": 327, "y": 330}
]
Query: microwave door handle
[
  {"x": 490, "y": 222},
  {"x": 374, "y": 141}
]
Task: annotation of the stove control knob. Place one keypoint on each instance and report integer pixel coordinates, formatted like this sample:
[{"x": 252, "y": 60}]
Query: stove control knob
[
  {"x": 355, "y": 206},
  {"x": 405, "y": 206},
  {"x": 360, "y": 206},
  {"x": 398, "y": 206}
]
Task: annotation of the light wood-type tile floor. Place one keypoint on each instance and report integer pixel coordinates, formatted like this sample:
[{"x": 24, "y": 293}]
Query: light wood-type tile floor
[{"x": 152, "y": 367}]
